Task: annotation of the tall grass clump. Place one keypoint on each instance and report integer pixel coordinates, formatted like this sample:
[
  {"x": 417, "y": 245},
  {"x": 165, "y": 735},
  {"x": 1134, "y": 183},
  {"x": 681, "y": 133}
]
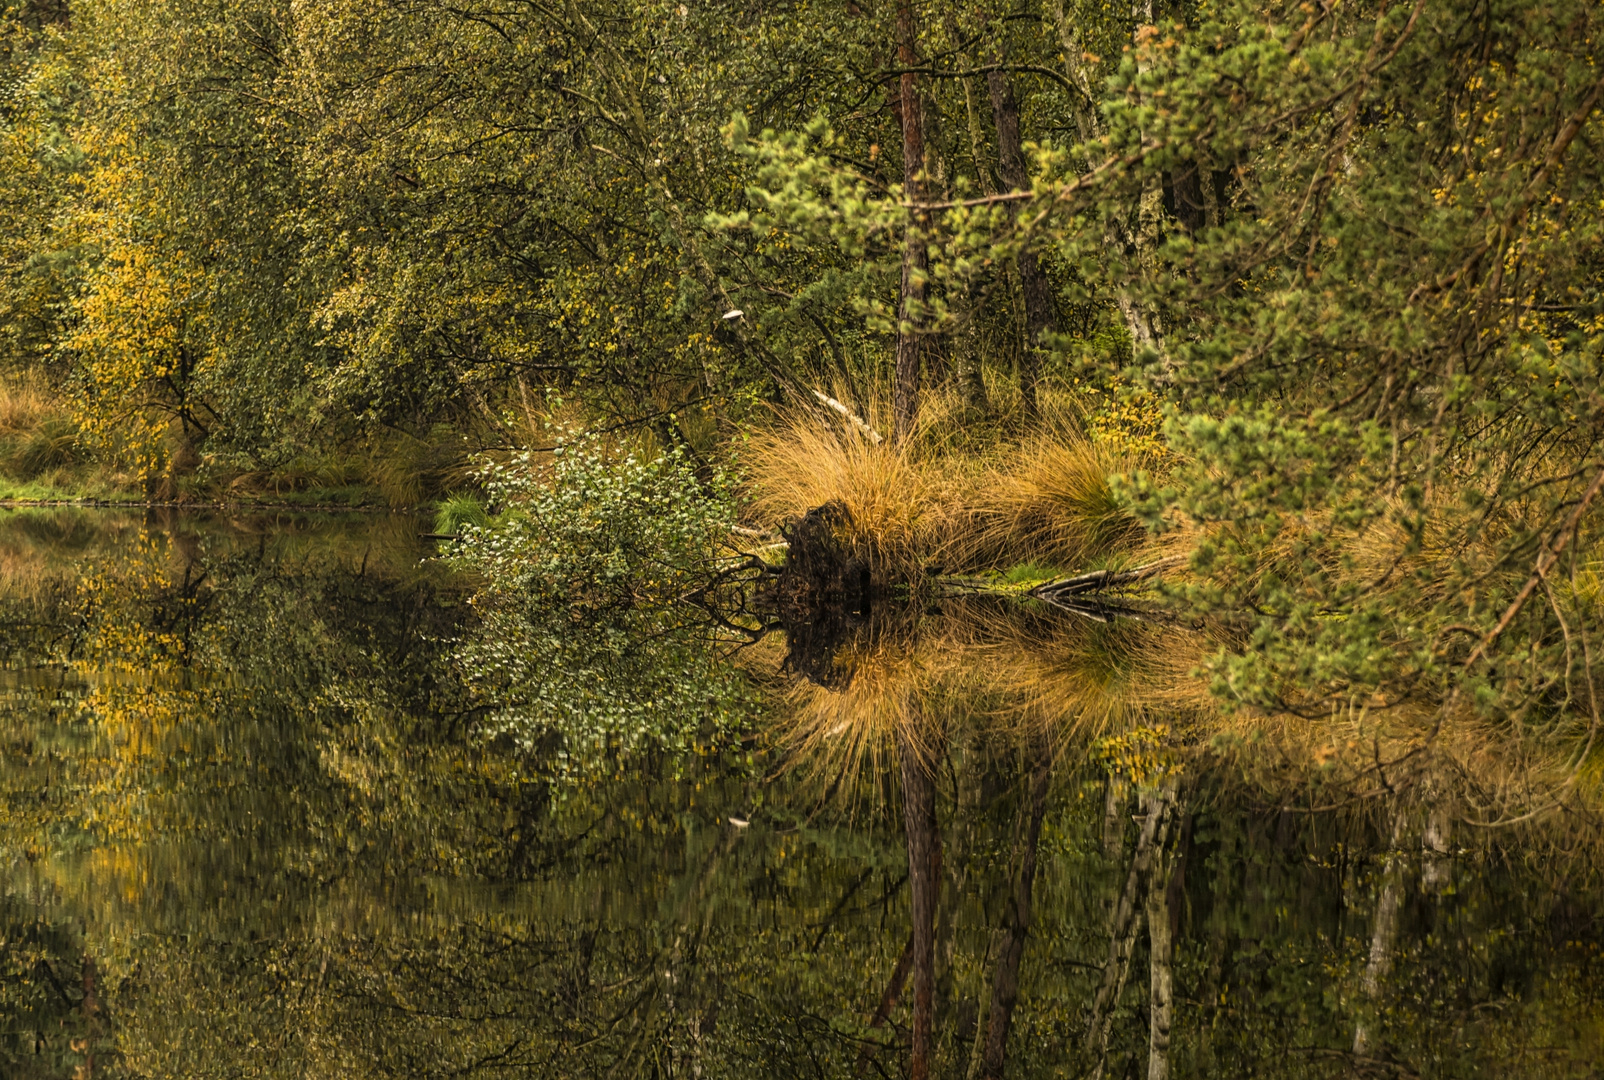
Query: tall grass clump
[
  {"x": 897, "y": 501},
  {"x": 1051, "y": 500},
  {"x": 949, "y": 496},
  {"x": 459, "y": 510},
  {"x": 38, "y": 438}
]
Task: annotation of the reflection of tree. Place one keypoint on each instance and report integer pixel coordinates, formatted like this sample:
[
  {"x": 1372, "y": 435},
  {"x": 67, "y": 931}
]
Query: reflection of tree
[
  {"x": 1033, "y": 685},
  {"x": 47, "y": 1000},
  {"x": 308, "y": 869}
]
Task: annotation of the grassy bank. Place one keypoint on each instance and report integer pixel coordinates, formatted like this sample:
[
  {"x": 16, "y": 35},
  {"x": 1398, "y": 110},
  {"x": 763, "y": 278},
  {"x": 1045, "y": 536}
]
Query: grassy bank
[{"x": 46, "y": 458}]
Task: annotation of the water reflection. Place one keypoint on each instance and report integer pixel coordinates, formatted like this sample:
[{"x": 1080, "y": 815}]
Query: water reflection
[{"x": 249, "y": 831}]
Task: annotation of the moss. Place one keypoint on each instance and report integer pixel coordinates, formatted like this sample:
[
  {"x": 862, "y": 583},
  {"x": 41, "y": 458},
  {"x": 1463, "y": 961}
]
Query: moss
[{"x": 1031, "y": 573}]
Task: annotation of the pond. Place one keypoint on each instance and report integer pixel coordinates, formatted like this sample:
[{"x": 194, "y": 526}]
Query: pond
[{"x": 254, "y": 827}]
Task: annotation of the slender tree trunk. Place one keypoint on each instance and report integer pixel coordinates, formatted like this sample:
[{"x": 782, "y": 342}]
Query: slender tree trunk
[
  {"x": 1142, "y": 323},
  {"x": 977, "y": 1052},
  {"x": 910, "y": 316},
  {"x": 888, "y": 1000},
  {"x": 1005, "y": 983},
  {"x": 1040, "y": 316},
  {"x": 89, "y": 1007},
  {"x": 924, "y": 885},
  {"x": 1434, "y": 846},
  {"x": 971, "y": 374},
  {"x": 1116, "y": 797}
]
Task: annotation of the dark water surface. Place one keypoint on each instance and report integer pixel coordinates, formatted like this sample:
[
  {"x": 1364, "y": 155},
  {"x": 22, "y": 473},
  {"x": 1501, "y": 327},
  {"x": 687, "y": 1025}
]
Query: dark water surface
[{"x": 249, "y": 831}]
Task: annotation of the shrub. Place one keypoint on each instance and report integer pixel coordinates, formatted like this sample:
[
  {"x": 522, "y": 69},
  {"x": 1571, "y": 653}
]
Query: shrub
[{"x": 590, "y": 640}]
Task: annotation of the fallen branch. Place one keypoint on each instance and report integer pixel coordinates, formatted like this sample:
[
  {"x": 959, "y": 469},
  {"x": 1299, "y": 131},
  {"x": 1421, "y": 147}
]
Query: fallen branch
[
  {"x": 853, "y": 418},
  {"x": 1101, "y": 580}
]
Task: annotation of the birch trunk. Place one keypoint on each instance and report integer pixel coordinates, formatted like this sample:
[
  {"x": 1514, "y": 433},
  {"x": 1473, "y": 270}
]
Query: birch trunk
[
  {"x": 1160, "y": 971},
  {"x": 1126, "y": 920},
  {"x": 1383, "y": 936}
]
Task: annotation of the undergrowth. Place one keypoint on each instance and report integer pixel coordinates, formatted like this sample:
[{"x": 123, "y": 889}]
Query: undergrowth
[{"x": 43, "y": 458}]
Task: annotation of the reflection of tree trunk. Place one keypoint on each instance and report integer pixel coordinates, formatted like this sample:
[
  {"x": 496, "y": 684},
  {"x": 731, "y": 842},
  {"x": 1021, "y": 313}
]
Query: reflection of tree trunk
[
  {"x": 1126, "y": 920},
  {"x": 899, "y": 979},
  {"x": 905, "y": 391},
  {"x": 977, "y": 1052},
  {"x": 1116, "y": 794},
  {"x": 975, "y": 789},
  {"x": 1434, "y": 844},
  {"x": 888, "y": 1000},
  {"x": 1039, "y": 314},
  {"x": 1384, "y": 934},
  {"x": 924, "y": 883},
  {"x": 89, "y": 1007},
  {"x": 1005, "y": 983},
  {"x": 1160, "y": 984}
]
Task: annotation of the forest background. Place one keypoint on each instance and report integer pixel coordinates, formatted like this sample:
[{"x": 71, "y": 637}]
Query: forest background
[{"x": 1312, "y": 290}]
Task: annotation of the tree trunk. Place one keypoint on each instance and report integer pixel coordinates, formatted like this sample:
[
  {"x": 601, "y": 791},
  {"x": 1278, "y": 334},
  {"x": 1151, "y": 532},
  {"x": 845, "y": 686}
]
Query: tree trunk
[
  {"x": 971, "y": 373},
  {"x": 924, "y": 884},
  {"x": 1116, "y": 797},
  {"x": 1040, "y": 316},
  {"x": 89, "y": 1007},
  {"x": 1005, "y": 984},
  {"x": 888, "y": 1000},
  {"x": 1142, "y": 323},
  {"x": 910, "y": 316},
  {"x": 1434, "y": 846}
]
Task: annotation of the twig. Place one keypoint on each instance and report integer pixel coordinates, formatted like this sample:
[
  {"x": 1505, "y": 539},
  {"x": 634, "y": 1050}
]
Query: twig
[{"x": 1545, "y": 561}]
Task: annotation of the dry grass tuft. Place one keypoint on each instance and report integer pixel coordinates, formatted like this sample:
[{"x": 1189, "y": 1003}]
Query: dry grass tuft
[
  {"x": 899, "y": 503},
  {"x": 25, "y": 404},
  {"x": 1074, "y": 680},
  {"x": 965, "y": 498},
  {"x": 1051, "y": 501},
  {"x": 38, "y": 437},
  {"x": 890, "y": 684},
  {"x": 995, "y": 669}
]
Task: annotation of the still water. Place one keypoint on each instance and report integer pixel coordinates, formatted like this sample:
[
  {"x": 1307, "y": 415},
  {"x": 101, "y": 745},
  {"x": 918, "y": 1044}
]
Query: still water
[{"x": 252, "y": 829}]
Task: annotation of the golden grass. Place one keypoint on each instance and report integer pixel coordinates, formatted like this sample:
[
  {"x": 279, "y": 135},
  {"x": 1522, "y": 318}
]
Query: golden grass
[
  {"x": 1051, "y": 500},
  {"x": 25, "y": 404},
  {"x": 898, "y": 510},
  {"x": 996, "y": 669},
  {"x": 947, "y": 496}
]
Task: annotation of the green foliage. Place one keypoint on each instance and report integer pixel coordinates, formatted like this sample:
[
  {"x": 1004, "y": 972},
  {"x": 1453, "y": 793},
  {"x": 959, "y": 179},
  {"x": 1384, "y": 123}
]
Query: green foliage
[
  {"x": 1030, "y": 573},
  {"x": 592, "y": 643},
  {"x": 458, "y": 511}
]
